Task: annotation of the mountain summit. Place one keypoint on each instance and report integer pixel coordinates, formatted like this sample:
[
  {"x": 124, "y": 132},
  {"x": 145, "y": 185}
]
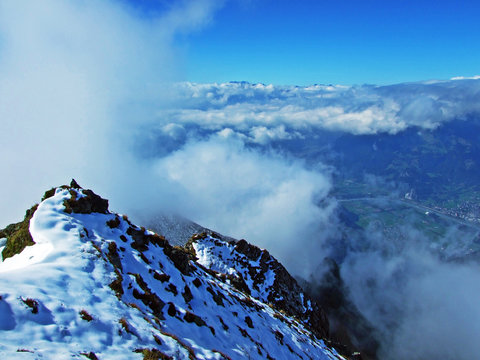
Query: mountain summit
[{"x": 78, "y": 281}]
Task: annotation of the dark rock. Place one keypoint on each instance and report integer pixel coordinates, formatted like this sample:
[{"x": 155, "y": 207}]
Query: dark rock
[
  {"x": 91, "y": 355},
  {"x": 114, "y": 223},
  {"x": 217, "y": 296},
  {"x": 31, "y": 303},
  {"x": 113, "y": 257},
  {"x": 224, "y": 326},
  {"x": 144, "y": 259},
  {"x": 151, "y": 300},
  {"x": 172, "y": 311},
  {"x": 87, "y": 204},
  {"x": 285, "y": 292},
  {"x": 250, "y": 251},
  {"x": 161, "y": 277},
  {"x": 239, "y": 283},
  {"x": 279, "y": 336},
  {"x": 141, "y": 240},
  {"x": 180, "y": 258},
  {"x": 187, "y": 294},
  {"x": 116, "y": 285},
  {"x": 74, "y": 184},
  {"x": 85, "y": 315},
  {"x": 49, "y": 193},
  {"x": 153, "y": 354},
  {"x": 192, "y": 318},
  {"x": 172, "y": 288},
  {"x": 286, "y": 289}
]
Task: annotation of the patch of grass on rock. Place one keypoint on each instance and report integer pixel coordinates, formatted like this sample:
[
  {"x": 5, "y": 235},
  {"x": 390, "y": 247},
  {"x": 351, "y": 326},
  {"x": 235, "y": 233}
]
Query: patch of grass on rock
[{"x": 18, "y": 235}]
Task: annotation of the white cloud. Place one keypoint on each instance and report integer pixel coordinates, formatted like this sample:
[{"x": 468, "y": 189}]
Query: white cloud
[
  {"x": 263, "y": 135},
  {"x": 420, "y": 306},
  {"x": 476, "y": 77},
  {"x": 267, "y": 199},
  {"x": 175, "y": 131},
  {"x": 250, "y": 108},
  {"x": 76, "y": 77}
]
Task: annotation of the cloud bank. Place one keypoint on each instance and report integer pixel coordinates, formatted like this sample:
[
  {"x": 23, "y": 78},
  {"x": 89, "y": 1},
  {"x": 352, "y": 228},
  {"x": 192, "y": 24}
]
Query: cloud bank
[{"x": 264, "y": 113}]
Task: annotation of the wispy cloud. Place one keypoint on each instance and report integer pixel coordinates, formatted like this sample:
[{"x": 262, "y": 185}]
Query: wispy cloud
[
  {"x": 76, "y": 78},
  {"x": 273, "y": 201},
  {"x": 421, "y": 307}
]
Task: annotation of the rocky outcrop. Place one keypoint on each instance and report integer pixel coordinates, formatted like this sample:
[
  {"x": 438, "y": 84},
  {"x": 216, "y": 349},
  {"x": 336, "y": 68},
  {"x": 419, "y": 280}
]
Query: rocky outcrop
[
  {"x": 85, "y": 202},
  {"x": 285, "y": 292},
  {"x": 82, "y": 201},
  {"x": 18, "y": 235},
  {"x": 264, "y": 278}
]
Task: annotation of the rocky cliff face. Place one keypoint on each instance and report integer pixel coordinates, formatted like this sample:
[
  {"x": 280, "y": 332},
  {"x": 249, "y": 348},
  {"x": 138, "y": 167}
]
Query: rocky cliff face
[{"x": 93, "y": 285}]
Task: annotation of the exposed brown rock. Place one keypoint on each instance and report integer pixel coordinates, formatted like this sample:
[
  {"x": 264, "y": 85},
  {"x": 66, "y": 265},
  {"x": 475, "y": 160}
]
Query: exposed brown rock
[
  {"x": 113, "y": 257},
  {"x": 192, "y": 318},
  {"x": 87, "y": 204},
  {"x": 187, "y": 294}
]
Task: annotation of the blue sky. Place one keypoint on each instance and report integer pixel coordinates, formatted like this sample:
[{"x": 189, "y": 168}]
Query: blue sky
[{"x": 336, "y": 41}]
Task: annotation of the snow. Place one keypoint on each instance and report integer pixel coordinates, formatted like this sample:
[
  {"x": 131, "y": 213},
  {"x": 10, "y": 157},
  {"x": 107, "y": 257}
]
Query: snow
[
  {"x": 220, "y": 256},
  {"x": 68, "y": 271},
  {"x": 45, "y": 218}
]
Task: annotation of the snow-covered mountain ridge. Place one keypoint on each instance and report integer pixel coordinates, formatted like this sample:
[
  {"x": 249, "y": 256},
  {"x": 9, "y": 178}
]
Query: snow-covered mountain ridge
[{"x": 93, "y": 285}]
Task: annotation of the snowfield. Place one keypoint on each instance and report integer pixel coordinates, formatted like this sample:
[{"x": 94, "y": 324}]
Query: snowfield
[{"x": 88, "y": 289}]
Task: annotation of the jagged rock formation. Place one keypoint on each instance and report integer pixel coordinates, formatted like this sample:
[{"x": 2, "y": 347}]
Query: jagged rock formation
[
  {"x": 94, "y": 285},
  {"x": 256, "y": 272}
]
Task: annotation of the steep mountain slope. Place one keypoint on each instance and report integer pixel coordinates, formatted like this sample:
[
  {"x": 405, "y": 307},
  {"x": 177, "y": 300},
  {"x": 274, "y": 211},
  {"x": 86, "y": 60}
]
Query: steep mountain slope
[
  {"x": 93, "y": 285},
  {"x": 176, "y": 228}
]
